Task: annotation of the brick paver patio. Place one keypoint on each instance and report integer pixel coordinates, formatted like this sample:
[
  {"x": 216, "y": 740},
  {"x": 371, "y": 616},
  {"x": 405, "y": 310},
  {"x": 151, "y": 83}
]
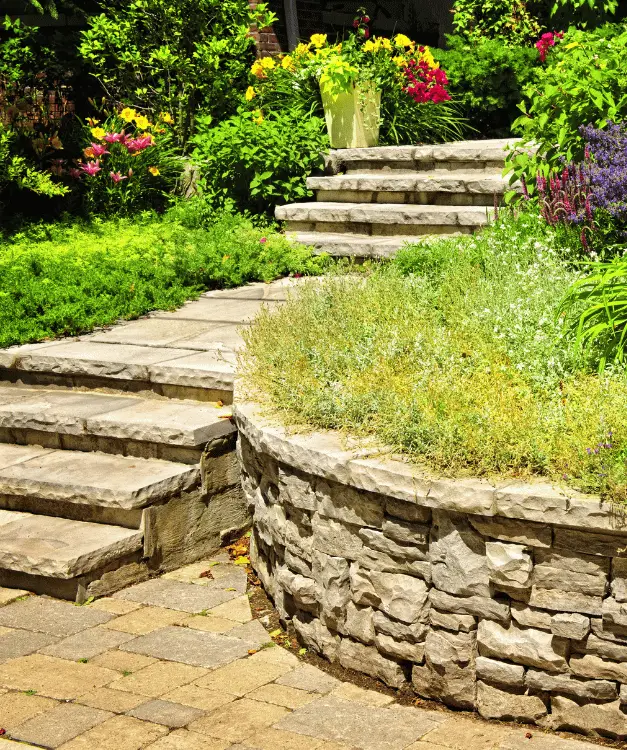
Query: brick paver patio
[{"x": 179, "y": 663}]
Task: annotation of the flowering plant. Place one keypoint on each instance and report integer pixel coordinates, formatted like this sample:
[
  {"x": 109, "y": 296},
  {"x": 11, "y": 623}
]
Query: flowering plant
[
  {"x": 546, "y": 41},
  {"x": 405, "y": 73},
  {"x": 126, "y": 162}
]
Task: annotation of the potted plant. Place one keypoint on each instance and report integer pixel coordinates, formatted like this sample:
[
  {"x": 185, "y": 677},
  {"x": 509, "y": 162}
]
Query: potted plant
[{"x": 347, "y": 81}]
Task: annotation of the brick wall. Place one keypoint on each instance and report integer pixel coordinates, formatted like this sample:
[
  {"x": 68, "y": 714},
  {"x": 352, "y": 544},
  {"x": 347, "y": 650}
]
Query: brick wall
[{"x": 267, "y": 41}]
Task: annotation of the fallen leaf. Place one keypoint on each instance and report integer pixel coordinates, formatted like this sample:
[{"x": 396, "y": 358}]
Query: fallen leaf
[
  {"x": 206, "y": 574},
  {"x": 275, "y": 633},
  {"x": 252, "y": 651},
  {"x": 241, "y": 560},
  {"x": 302, "y": 651},
  {"x": 528, "y": 736},
  {"x": 231, "y": 589}
]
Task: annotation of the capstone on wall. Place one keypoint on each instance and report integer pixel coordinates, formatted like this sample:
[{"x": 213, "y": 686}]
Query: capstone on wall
[{"x": 520, "y": 620}]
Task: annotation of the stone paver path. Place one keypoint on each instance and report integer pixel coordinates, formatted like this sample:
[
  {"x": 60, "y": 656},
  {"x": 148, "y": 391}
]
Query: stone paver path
[{"x": 164, "y": 665}]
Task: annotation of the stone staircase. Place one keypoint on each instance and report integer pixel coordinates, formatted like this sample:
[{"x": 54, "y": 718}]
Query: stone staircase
[
  {"x": 374, "y": 200},
  {"x": 117, "y": 449}
]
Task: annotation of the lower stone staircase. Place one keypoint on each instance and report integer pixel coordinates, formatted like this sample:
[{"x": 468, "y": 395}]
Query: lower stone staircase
[
  {"x": 117, "y": 451},
  {"x": 374, "y": 200}
]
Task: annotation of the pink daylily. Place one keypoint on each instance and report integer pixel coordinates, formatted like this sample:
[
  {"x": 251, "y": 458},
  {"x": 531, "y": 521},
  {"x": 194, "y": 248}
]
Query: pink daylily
[
  {"x": 91, "y": 168},
  {"x": 99, "y": 150},
  {"x": 138, "y": 144},
  {"x": 117, "y": 177},
  {"x": 115, "y": 137}
]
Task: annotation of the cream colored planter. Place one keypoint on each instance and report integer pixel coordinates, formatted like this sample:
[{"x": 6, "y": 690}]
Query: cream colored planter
[{"x": 353, "y": 117}]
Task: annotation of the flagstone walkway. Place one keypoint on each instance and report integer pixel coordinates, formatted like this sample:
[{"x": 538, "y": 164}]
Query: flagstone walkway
[{"x": 179, "y": 663}]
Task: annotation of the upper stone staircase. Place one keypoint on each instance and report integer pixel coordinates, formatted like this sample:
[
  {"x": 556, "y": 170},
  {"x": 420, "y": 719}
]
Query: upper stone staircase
[
  {"x": 117, "y": 451},
  {"x": 377, "y": 199}
]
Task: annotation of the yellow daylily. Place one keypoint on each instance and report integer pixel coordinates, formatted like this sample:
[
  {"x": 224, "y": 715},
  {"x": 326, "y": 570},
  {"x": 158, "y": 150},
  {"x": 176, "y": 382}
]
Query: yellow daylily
[
  {"x": 250, "y": 94},
  {"x": 92, "y": 122},
  {"x": 142, "y": 122},
  {"x": 318, "y": 40},
  {"x": 369, "y": 46},
  {"x": 128, "y": 114},
  {"x": 402, "y": 41},
  {"x": 98, "y": 133},
  {"x": 167, "y": 118},
  {"x": 302, "y": 49},
  {"x": 257, "y": 117},
  {"x": 154, "y": 171},
  {"x": 287, "y": 63}
]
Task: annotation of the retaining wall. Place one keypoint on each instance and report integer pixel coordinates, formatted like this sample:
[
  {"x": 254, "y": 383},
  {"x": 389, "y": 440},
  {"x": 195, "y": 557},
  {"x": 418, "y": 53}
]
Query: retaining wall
[{"x": 511, "y": 599}]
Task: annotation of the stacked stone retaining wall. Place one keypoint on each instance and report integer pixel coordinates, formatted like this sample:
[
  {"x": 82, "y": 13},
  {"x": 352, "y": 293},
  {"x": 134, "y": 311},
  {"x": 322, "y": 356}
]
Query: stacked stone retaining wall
[{"x": 510, "y": 599}]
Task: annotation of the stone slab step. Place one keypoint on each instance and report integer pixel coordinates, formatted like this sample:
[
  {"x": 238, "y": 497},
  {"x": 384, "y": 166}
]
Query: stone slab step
[
  {"x": 429, "y": 187},
  {"x": 177, "y": 372},
  {"x": 382, "y": 218},
  {"x": 488, "y": 154},
  {"x": 35, "y": 473},
  {"x": 360, "y": 245},
  {"x": 123, "y": 424},
  {"x": 59, "y": 548}
]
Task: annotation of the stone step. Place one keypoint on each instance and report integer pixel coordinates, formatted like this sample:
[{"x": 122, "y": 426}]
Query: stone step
[
  {"x": 437, "y": 187},
  {"x": 93, "y": 363},
  {"x": 385, "y": 219},
  {"x": 123, "y": 424},
  {"x": 95, "y": 487},
  {"x": 360, "y": 245},
  {"x": 466, "y": 155},
  {"x": 59, "y": 556}
]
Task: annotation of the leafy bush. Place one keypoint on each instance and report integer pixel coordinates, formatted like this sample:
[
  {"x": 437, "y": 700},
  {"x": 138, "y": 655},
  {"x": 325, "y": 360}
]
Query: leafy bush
[
  {"x": 453, "y": 354},
  {"x": 584, "y": 82},
  {"x": 177, "y": 56},
  {"x": 249, "y": 162},
  {"x": 63, "y": 280},
  {"x": 510, "y": 21},
  {"x": 486, "y": 79}
]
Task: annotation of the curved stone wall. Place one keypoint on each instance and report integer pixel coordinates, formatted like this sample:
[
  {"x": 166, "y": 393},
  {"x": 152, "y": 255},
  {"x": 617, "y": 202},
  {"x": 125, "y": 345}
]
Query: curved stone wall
[{"x": 511, "y": 599}]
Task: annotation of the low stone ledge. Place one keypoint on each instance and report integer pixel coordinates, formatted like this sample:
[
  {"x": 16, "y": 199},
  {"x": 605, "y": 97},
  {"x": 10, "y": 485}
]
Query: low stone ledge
[{"x": 510, "y": 599}]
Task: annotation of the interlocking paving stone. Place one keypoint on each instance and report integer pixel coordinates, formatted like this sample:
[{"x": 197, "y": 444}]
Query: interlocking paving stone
[
  {"x": 173, "y": 715},
  {"x": 9, "y": 745},
  {"x": 197, "y": 697},
  {"x": 461, "y": 734},
  {"x": 63, "y": 723},
  {"x": 281, "y": 695},
  {"x": 191, "y": 573},
  {"x": 237, "y": 609},
  {"x": 118, "y": 733},
  {"x": 122, "y": 661},
  {"x": 275, "y": 739},
  {"x": 51, "y": 616},
  {"x": 350, "y": 692},
  {"x": 23, "y": 642},
  {"x": 365, "y": 727},
  {"x": 7, "y": 596},
  {"x": 114, "y": 606},
  {"x": 54, "y": 678},
  {"x": 182, "y": 739},
  {"x": 16, "y": 708},
  {"x": 277, "y": 656},
  {"x": 87, "y": 644},
  {"x": 159, "y": 678},
  {"x": 239, "y": 720},
  {"x": 252, "y": 632},
  {"x": 309, "y": 678},
  {"x": 147, "y": 619},
  {"x": 240, "y": 677},
  {"x": 109, "y": 699},
  {"x": 161, "y": 592},
  {"x": 189, "y": 646},
  {"x": 210, "y": 624},
  {"x": 518, "y": 741}
]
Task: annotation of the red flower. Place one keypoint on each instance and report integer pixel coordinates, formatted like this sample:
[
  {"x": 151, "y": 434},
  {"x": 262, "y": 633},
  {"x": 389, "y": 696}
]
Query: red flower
[
  {"x": 98, "y": 149},
  {"x": 91, "y": 168},
  {"x": 117, "y": 177},
  {"x": 115, "y": 137}
]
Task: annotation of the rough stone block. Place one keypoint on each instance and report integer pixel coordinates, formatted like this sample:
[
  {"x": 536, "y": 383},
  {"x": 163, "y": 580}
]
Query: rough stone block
[
  {"x": 510, "y": 530},
  {"x": 443, "y": 648},
  {"x": 407, "y": 511},
  {"x": 449, "y": 670},
  {"x": 415, "y": 633},
  {"x": 596, "y": 719},
  {"x": 589, "y": 665},
  {"x": 600, "y": 690},
  {"x": 533, "y": 648},
  {"x": 316, "y": 636},
  {"x": 605, "y": 649},
  {"x": 566, "y": 601},
  {"x": 403, "y": 650},
  {"x": 360, "y": 623},
  {"x": 362, "y": 589},
  {"x": 295, "y": 489},
  {"x": 335, "y": 538},
  {"x": 376, "y": 560},
  {"x": 478, "y": 606},
  {"x": 367, "y": 659},
  {"x": 406, "y": 533},
  {"x": 454, "y": 622},
  {"x": 499, "y": 672},
  {"x": 401, "y": 596},
  {"x": 591, "y": 584},
  {"x": 302, "y": 589},
  {"x": 604, "y": 545},
  {"x": 332, "y": 585},
  {"x": 509, "y": 564},
  {"x": 570, "y": 625},
  {"x": 297, "y": 564},
  {"x": 458, "y": 557},
  {"x": 615, "y": 616},
  {"x": 498, "y": 704},
  {"x": 530, "y": 617},
  {"x": 349, "y": 505},
  {"x": 377, "y": 540}
]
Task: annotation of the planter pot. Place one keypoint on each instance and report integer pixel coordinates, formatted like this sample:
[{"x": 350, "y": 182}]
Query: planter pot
[{"x": 353, "y": 117}]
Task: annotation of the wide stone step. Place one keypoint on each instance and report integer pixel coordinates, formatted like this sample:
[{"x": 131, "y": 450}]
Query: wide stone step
[
  {"x": 465, "y": 155},
  {"x": 94, "y": 487},
  {"x": 429, "y": 188},
  {"x": 382, "y": 218},
  {"x": 175, "y": 372},
  {"x": 122, "y": 424},
  {"x": 360, "y": 245},
  {"x": 57, "y": 556}
]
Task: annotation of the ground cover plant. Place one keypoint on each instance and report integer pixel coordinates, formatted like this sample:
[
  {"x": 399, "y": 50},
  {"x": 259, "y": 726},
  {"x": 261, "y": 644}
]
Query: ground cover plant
[
  {"x": 455, "y": 354},
  {"x": 66, "y": 279}
]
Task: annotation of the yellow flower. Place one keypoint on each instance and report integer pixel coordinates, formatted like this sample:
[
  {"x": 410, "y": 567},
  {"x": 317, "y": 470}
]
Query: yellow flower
[
  {"x": 428, "y": 58},
  {"x": 287, "y": 63},
  {"x": 399, "y": 60},
  {"x": 257, "y": 117},
  {"x": 98, "y": 133},
  {"x": 257, "y": 69},
  {"x": 92, "y": 122},
  {"x": 128, "y": 114},
  {"x": 318, "y": 40},
  {"x": 142, "y": 122},
  {"x": 250, "y": 94},
  {"x": 148, "y": 135},
  {"x": 268, "y": 63},
  {"x": 369, "y": 46},
  {"x": 154, "y": 171},
  {"x": 302, "y": 49},
  {"x": 572, "y": 45},
  {"x": 402, "y": 41},
  {"x": 167, "y": 118}
]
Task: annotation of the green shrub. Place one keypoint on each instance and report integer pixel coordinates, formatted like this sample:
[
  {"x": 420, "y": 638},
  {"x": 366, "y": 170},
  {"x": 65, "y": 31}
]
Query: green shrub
[
  {"x": 486, "y": 79},
  {"x": 176, "y": 56},
  {"x": 509, "y": 21},
  {"x": 453, "y": 354},
  {"x": 584, "y": 82},
  {"x": 64, "y": 280},
  {"x": 249, "y": 162}
]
